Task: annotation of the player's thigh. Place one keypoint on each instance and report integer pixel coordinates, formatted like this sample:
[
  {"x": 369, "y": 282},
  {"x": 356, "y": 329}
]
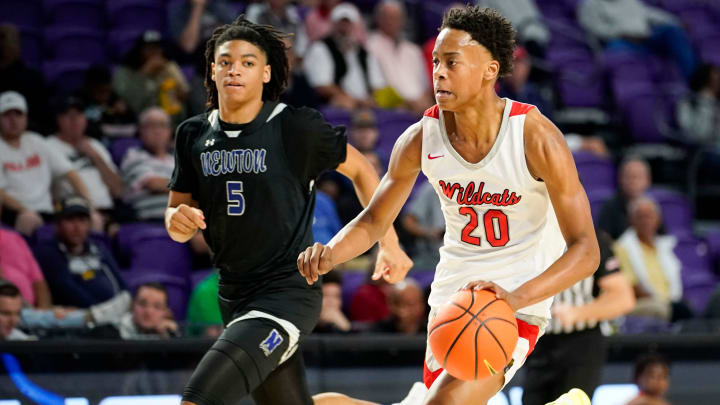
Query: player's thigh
[
  {"x": 448, "y": 390},
  {"x": 286, "y": 385},
  {"x": 244, "y": 355}
]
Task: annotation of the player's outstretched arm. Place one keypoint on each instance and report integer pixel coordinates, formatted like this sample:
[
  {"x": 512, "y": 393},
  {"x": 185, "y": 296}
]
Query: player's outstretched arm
[
  {"x": 376, "y": 219},
  {"x": 183, "y": 217},
  {"x": 549, "y": 159}
]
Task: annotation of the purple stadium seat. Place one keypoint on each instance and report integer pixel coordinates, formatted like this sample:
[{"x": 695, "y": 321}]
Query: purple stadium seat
[
  {"x": 336, "y": 116},
  {"x": 120, "y": 146},
  {"x": 581, "y": 84},
  {"x": 66, "y": 77},
  {"x": 178, "y": 288},
  {"x": 423, "y": 277},
  {"x": 31, "y": 42},
  {"x": 139, "y": 15},
  {"x": 595, "y": 172},
  {"x": 391, "y": 124},
  {"x": 351, "y": 281},
  {"x": 198, "y": 276},
  {"x": 697, "y": 278},
  {"x": 646, "y": 115},
  {"x": 76, "y": 13},
  {"x": 676, "y": 210},
  {"x": 120, "y": 42},
  {"x": 713, "y": 241},
  {"x": 430, "y": 18},
  {"x": 639, "y": 324},
  {"x": 75, "y": 44},
  {"x": 597, "y": 198},
  {"x": 22, "y": 12},
  {"x": 149, "y": 247}
]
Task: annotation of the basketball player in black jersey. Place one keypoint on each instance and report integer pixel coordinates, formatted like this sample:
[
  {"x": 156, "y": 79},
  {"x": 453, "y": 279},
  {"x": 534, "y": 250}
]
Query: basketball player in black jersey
[{"x": 244, "y": 175}]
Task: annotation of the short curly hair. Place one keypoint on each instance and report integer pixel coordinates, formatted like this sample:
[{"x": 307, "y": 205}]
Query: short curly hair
[
  {"x": 265, "y": 37},
  {"x": 489, "y": 28}
]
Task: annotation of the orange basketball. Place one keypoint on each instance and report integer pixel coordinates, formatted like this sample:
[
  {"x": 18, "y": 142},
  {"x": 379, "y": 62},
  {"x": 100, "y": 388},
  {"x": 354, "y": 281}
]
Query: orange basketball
[{"x": 474, "y": 335}]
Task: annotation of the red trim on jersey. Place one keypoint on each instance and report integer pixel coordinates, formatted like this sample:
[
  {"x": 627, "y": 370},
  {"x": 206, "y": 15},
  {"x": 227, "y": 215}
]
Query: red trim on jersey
[
  {"x": 433, "y": 112},
  {"x": 520, "y": 108},
  {"x": 525, "y": 331}
]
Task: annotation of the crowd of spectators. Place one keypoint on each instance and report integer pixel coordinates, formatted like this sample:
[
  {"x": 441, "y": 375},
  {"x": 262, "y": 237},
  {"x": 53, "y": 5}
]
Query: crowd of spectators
[{"x": 78, "y": 164}]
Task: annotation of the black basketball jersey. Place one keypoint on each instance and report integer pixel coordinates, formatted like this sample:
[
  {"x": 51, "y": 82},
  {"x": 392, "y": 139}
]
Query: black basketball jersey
[{"x": 255, "y": 185}]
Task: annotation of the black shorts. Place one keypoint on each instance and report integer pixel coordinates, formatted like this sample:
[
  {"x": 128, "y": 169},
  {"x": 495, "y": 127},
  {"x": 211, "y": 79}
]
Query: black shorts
[{"x": 257, "y": 353}]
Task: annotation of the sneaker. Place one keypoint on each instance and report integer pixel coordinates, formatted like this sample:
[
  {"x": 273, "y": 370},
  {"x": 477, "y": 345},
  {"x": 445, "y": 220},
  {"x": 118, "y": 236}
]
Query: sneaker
[
  {"x": 111, "y": 310},
  {"x": 575, "y": 396},
  {"x": 415, "y": 396}
]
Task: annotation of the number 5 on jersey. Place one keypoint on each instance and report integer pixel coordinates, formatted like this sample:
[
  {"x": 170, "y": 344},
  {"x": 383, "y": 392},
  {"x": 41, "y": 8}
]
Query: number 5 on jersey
[
  {"x": 491, "y": 217},
  {"x": 235, "y": 199}
]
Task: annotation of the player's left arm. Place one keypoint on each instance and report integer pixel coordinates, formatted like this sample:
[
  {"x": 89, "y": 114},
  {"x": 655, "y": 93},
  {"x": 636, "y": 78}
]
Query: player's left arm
[
  {"x": 549, "y": 160},
  {"x": 359, "y": 170}
]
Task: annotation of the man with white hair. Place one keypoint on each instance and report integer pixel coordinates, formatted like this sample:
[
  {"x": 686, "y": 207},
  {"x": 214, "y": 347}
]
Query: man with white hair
[
  {"x": 650, "y": 264},
  {"x": 401, "y": 61},
  {"x": 147, "y": 170},
  {"x": 29, "y": 166}
]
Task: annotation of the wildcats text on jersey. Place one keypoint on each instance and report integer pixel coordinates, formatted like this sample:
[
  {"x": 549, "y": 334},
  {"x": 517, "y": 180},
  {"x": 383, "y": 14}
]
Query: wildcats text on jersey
[
  {"x": 468, "y": 196},
  {"x": 218, "y": 162}
]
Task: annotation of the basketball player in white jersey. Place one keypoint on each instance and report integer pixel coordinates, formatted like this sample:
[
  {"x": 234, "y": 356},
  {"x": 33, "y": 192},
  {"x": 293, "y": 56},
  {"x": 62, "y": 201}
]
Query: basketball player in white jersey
[{"x": 517, "y": 218}]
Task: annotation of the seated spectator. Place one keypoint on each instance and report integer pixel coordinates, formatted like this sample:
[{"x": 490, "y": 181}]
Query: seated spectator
[
  {"x": 401, "y": 60},
  {"x": 193, "y": 22},
  {"x": 407, "y": 310},
  {"x": 203, "y": 314},
  {"x": 10, "y": 308},
  {"x": 108, "y": 115},
  {"x": 652, "y": 377},
  {"x": 80, "y": 272},
  {"x": 318, "y": 22},
  {"x": 29, "y": 166},
  {"x": 283, "y": 16},
  {"x": 517, "y": 87},
  {"x": 89, "y": 157},
  {"x": 16, "y": 75},
  {"x": 425, "y": 221},
  {"x": 633, "y": 181},
  {"x": 631, "y": 25},
  {"x": 698, "y": 114},
  {"x": 147, "y": 171},
  {"x": 18, "y": 266},
  {"x": 149, "y": 78},
  {"x": 650, "y": 264},
  {"x": 369, "y": 303},
  {"x": 332, "y": 319},
  {"x": 532, "y": 32},
  {"x": 150, "y": 317},
  {"x": 298, "y": 91},
  {"x": 339, "y": 68},
  {"x": 364, "y": 131}
]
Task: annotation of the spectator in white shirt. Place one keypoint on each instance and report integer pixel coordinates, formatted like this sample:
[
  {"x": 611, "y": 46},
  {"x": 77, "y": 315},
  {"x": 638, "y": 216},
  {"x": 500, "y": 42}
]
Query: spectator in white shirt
[
  {"x": 89, "y": 157},
  {"x": 29, "y": 166},
  {"x": 339, "y": 68},
  {"x": 401, "y": 60}
]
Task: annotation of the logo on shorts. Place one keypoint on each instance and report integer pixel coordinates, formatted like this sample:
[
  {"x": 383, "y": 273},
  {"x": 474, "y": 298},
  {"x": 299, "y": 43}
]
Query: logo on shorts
[{"x": 271, "y": 342}]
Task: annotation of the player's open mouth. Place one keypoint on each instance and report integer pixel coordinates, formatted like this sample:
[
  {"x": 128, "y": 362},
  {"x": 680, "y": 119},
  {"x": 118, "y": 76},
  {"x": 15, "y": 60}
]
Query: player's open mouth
[{"x": 442, "y": 93}]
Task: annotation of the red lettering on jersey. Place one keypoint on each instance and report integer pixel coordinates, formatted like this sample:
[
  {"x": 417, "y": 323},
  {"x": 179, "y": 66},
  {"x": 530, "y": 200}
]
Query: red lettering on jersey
[
  {"x": 520, "y": 108},
  {"x": 32, "y": 161},
  {"x": 433, "y": 112},
  {"x": 466, "y": 195}
]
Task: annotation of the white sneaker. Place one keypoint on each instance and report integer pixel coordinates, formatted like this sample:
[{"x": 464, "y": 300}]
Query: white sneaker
[
  {"x": 111, "y": 310},
  {"x": 575, "y": 396},
  {"x": 415, "y": 396}
]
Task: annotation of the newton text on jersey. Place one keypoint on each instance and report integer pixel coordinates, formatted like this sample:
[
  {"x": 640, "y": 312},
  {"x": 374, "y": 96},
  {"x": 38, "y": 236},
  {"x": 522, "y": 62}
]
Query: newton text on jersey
[
  {"x": 219, "y": 162},
  {"x": 468, "y": 196}
]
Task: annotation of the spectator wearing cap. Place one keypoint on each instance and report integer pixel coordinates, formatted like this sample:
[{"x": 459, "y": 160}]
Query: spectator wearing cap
[
  {"x": 339, "y": 68},
  {"x": 29, "y": 166},
  {"x": 318, "y": 23},
  {"x": 401, "y": 60},
  {"x": 80, "y": 272},
  {"x": 147, "y": 170},
  {"x": 149, "y": 78},
  {"x": 89, "y": 157},
  {"x": 19, "y": 267}
]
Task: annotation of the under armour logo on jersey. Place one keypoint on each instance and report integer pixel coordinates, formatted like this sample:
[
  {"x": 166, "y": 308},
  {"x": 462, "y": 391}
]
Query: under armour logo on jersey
[
  {"x": 271, "y": 342},
  {"x": 209, "y": 142}
]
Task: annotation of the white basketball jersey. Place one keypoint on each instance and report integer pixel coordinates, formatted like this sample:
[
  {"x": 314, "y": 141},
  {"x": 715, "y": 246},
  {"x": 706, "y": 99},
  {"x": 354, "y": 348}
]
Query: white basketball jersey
[{"x": 500, "y": 225}]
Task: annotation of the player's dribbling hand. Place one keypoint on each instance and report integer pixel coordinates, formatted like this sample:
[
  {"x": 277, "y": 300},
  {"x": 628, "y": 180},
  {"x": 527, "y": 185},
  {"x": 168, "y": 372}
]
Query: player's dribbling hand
[
  {"x": 392, "y": 264},
  {"x": 315, "y": 261},
  {"x": 184, "y": 220},
  {"x": 499, "y": 292}
]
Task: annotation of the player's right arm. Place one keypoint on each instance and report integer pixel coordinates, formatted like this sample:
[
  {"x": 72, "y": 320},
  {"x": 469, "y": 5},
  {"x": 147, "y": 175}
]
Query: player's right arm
[
  {"x": 374, "y": 221},
  {"x": 183, "y": 217}
]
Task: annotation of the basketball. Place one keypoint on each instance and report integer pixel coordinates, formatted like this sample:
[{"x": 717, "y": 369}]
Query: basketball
[{"x": 474, "y": 335}]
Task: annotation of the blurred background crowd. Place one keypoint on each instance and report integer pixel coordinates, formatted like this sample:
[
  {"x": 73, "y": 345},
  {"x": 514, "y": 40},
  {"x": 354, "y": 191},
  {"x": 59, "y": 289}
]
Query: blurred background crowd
[{"x": 91, "y": 92}]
